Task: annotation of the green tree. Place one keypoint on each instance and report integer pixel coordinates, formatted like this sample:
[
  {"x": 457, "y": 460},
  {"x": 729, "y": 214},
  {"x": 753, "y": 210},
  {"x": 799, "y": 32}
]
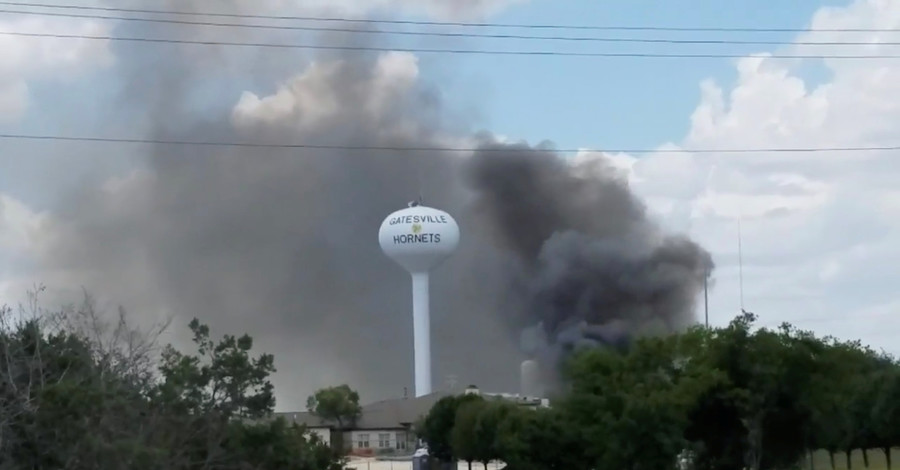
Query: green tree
[
  {"x": 487, "y": 429},
  {"x": 761, "y": 415},
  {"x": 339, "y": 404},
  {"x": 885, "y": 414},
  {"x": 277, "y": 445},
  {"x": 463, "y": 439},
  {"x": 437, "y": 429},
  {"x": 633, "y": 409},
  {"x": 78, "y": 392},
  {"x": 222, "y": 379},
  {"x": 732, "y": 398},
  {"x": 202, "y": 395},
  {"x": 541, "y": 440},
  {"x": 67, "y": 397}
]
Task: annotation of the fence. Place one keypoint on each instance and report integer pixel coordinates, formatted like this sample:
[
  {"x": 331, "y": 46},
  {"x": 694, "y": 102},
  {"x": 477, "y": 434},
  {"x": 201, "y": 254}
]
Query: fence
[{"x": 373, "y": 464}]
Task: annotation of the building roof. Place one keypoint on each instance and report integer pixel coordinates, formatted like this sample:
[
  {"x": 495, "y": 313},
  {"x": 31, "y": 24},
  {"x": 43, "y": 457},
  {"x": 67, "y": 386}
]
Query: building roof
[
  {"x": 399, "y": 413},
  {"x": 303, "y": 418}
]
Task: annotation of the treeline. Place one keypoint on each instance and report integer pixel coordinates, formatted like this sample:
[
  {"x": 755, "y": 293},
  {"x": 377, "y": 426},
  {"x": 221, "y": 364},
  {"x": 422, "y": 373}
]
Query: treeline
[
  {"x": 80, "y": 393},
  {"x": 728, "y": 398}
]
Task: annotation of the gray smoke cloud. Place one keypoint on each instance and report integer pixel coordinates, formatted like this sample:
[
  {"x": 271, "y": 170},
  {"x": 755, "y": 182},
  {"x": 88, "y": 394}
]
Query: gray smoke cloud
[
  {"x": 595, "y": 270},
  {"x": 282, "y": 243}
]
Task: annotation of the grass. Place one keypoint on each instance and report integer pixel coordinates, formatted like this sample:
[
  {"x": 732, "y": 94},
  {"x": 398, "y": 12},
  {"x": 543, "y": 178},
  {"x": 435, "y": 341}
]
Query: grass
[{"x": 876, "y": 461}]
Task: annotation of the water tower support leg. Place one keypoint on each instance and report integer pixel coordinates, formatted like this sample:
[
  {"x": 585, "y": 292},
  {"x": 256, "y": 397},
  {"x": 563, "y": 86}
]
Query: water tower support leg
[{"x": 421, "y": 333}]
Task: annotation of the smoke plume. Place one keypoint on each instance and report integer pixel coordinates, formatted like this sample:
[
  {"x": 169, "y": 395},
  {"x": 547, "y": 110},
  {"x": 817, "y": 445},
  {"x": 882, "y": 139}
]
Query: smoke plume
[
  {"x": 282, "y": 243},
  {"x": 594, "y": 269}
]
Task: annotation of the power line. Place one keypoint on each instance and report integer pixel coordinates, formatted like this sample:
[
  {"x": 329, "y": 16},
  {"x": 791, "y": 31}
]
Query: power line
[
  {"x": 446, "y": 23},
  {"x": 442, "y": 51},
  {"x": 581, "y": 39},
  {"x": 437, "y": 149}
]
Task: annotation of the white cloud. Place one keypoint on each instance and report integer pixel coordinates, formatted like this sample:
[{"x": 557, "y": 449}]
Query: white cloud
[
  {"x": 19, "y": 226},
  {"x": 821, "y": 231},
  {"x": 21, "y": 230},
  {"x": 311, "y": 101},
  {"x": 304, "y": 100},
  {"x": 28, "y": 58}
]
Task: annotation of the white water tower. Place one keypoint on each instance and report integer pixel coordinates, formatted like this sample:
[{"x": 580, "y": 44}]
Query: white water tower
[{"x": 418, "y": 238}]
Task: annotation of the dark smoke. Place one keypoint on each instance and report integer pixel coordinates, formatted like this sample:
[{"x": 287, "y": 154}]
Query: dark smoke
[
  {"x": 282, "y": 243},
  {"x": 595, "y": 269}
]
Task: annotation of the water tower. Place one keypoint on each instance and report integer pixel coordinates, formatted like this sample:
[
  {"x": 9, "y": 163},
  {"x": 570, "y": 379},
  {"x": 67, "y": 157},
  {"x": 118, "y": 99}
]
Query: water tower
[{"x": 418, "y": 238}]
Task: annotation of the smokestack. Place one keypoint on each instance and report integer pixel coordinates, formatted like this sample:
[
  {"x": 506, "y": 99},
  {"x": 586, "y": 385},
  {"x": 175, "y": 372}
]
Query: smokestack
[{"x": 530, "y": 379}]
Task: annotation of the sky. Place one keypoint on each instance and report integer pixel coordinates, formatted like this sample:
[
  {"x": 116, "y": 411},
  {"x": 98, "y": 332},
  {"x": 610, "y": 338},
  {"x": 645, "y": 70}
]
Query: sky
[{"x": 819, "y": 232}]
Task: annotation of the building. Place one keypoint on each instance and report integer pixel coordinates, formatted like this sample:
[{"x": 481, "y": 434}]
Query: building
[
  {"x": 383, "y": 427},
  {"x": 386, "y": 427}
]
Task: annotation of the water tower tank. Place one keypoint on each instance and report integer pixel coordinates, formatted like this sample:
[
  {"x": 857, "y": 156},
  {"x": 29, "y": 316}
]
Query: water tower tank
[{"x": 418, "y": 238}]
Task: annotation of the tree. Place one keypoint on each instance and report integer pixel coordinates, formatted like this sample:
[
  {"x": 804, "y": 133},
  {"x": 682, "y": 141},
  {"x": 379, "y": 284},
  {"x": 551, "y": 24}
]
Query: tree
[
  {"x": 71, "y": 390},
  {"x": 217, "y": 404},
  {"x": 277, "y": 445},
  {"x": 732, "y": 398},
  {"x": 339, "y": 404},
  {"x": 761, "y": 414},
  {"x": 633, "y": 408},
  {"x": 463, "y": 438},
  {"x": 77, "y": 392},
  {"x": 438, "y": 426},
  {"x": 204, "y": 394},
  {"x": 222, "y": 379},
  {"x": 885, "y": 414},
  {"x": 541, "y": 440},
  {"x": 491, "y": 417}
]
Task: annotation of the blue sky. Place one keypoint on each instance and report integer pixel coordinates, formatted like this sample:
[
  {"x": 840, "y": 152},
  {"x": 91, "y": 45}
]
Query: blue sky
[{"x": 617, "y": 102}]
